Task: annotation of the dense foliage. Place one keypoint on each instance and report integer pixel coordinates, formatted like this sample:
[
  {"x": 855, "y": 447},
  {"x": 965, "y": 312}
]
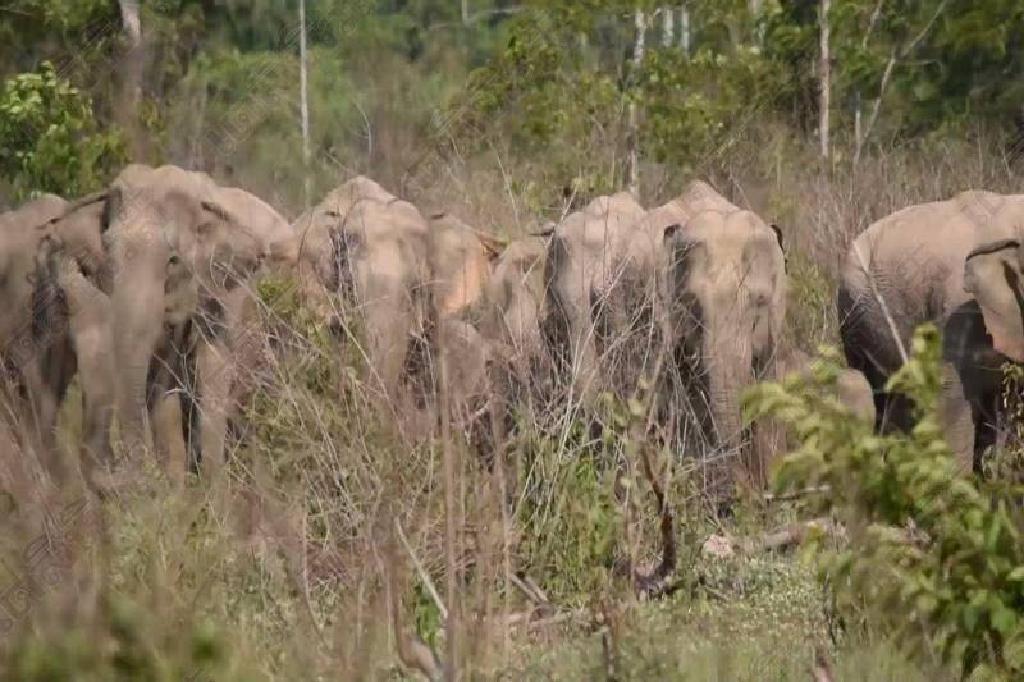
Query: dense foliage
[
  {"x": 932, "y": 554},
  {"x": 541, "y": 71},
  {"x": 51, "y": 140}
]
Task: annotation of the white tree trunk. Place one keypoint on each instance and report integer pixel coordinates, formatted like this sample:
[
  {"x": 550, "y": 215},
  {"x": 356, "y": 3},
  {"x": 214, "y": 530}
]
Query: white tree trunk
[
  {"x": 825, "y": 79},
  {"x": 465, "y": 12},
  {"x": 304, "y": 104},
  {"x": 857, "y": 131},
  {"x": 668, "y": 17},
  {"x": 684, "y": 29},
  {"x": 633, "y": 134},
  {"x": 755, "y": 12},
  {"x": 131, "y": 75}
]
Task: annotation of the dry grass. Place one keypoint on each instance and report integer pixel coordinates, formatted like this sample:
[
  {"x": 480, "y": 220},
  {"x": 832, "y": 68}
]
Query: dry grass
[{"x": 292, "y": 573}]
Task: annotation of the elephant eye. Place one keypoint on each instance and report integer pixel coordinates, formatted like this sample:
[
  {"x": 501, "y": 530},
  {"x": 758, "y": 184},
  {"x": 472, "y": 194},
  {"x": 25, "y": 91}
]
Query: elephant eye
[{"x": 173, "y": 260}]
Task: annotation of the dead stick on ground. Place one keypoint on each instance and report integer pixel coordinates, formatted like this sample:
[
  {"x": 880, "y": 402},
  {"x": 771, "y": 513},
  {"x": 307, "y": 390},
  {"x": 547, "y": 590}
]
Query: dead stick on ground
[
  {"x": 413, "y": 652},
  {"x": 424, "y": 576}
]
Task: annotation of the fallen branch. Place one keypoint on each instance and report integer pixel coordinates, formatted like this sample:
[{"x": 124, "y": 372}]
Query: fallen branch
[
  {"x": 657, "y": 583},
  {"x": 724, "y": 547},
  {"x": 821, "y": 671},
  {"x": 530, "y": 589},
  {"x": 424, "y": 576},
  {"x": 413, "y": 652},
  {"x": 796, "y": 494}
]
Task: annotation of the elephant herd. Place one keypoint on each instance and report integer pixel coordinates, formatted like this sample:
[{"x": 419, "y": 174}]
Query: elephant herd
[{"x": 146, "y": 292}]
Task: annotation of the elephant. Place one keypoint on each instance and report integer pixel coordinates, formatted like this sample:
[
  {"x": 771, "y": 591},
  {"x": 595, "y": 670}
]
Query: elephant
[
  {"x": 987, "y": 332},
  {"x": 852, "y": 388},
  {"x": 371, "y": 248},
  {"x": 460, "y": 262},
  {"x": 512, "y": 309},
  {"x": 908, "y": 269},
  {"x": 227, "y": 339},
  {"x": 72, "y": 270},
  {"x": 585, "y": 265},
  {"x": 53, "y": 266},
  {"x": 25, "y": 338},
  {"x": 725, "y": 297},
  {"x": 175, "y": 250},
  {"x": 605, "y": 288}
]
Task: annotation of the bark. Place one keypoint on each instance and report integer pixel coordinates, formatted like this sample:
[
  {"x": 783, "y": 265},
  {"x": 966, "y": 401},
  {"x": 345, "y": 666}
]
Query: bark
[
  {"x": 132, "y": 65},
  {"x": 756, "y": 6},
  {"x": 303, "y": 86},
  {"x": 825, "y": 77},
  {"x": 633, "y": 142},
  {"x": 450, "y": 466},
  {"x": 894, "y": 57},
  {"x": 684, "y": 29}
]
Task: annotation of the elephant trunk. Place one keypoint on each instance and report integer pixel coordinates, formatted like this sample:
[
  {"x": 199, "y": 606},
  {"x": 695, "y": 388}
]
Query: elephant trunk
[
  {"x": 729, "y": 372},
  {"x": 138, "y": 308}
]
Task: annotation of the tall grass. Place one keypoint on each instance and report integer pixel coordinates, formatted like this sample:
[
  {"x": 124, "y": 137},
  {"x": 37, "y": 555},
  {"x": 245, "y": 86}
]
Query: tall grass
[{"x": 336, "y": 509}]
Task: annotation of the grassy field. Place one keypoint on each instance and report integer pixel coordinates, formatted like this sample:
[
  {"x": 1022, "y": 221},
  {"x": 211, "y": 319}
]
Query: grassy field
[{"x": 324, "y": 547}]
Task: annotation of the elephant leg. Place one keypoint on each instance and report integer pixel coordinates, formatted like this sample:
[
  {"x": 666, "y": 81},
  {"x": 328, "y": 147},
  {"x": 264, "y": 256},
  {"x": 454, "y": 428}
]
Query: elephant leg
[
  {"x": 91, "y": 344},
  {"x": 957, "y": 420},
  {"x": 167, "y": 430},
  {"x": 39, "y": 416},
  {"x": 215, "y": 374}
]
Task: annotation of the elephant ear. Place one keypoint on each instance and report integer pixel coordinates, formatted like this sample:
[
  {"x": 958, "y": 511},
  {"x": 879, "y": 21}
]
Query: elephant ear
[
  {"x": 492, "y": 245},
  {"x": 782, "y": 246},
  {"x": 286, "y": 251},
  {"x": 992, "y": 274},
  {"x": 216, "y": 210},
  {"x": 682, "y": 251},
  {"x": 113, "y": 209}
]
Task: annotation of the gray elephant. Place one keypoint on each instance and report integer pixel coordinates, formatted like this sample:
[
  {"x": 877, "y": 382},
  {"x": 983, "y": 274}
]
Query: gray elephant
[
  {"x": 174, "y": 250},
  {"x": 72, "y": 268},
  {"x": 25, "y": 340},
  {"x": 227, "y": 340},
  {"x": 984, "y": 334},
  {"x": 371, "y": 248},
  {"x": 513, "y": 307},
  {"x": 908, "y": 269},
  {"x": 852, "y": 388},
  {"x": 725, "y": 294},
  {"x": 53, "y": 261},
  {"x": 587, "y": 266}
]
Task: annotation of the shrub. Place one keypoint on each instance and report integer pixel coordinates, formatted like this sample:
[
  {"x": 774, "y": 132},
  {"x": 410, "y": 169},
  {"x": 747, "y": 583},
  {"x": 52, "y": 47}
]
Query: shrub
[
  {"x": 51, "y": 141},
  {"x": 931, "y": 553}
]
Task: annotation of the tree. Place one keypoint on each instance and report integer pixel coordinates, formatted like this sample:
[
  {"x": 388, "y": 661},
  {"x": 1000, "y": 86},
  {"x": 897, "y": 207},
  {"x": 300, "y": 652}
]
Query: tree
[{"x": 51, "y": 141}]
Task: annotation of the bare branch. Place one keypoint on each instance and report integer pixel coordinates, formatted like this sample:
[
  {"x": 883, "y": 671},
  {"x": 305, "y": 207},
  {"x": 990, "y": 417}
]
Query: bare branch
[
  {"x": 424, "y": 576},
  {"x": 881, "y": 302}
]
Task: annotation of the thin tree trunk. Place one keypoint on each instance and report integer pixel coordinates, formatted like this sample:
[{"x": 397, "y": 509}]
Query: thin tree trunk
[
  {"x": 131, "y": 76},
  {"x": 875, "y": 107},
  {"x": 755, "y": 13},
  {"x": 304, "y": 94},
  {"x": 825, "y": 79},
  {"x": 633, "y": 142},
  {"x": 684, "y": 29},
  {"x": 887, "y": 74},
  {"x": 668, "y": 17},
  {"x": 857, "y": 131},
  {"x": 465, "y": 12}
]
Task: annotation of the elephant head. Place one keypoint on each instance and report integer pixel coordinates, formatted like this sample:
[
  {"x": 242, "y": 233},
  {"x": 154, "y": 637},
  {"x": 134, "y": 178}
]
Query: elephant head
[
  {"x": 323, "y": 243},
  {"x": 171, "y": 244},
  {"x": 994, "y": 275},
  {"x": 726, "y": 289},
  {"x": 461, "y": 261},
  {"x": 371, "y": 248}
]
